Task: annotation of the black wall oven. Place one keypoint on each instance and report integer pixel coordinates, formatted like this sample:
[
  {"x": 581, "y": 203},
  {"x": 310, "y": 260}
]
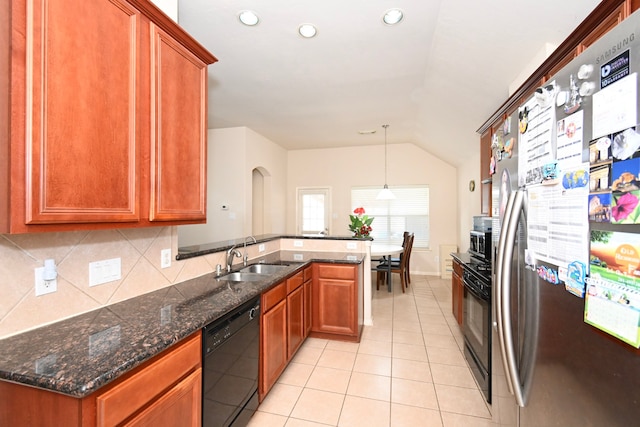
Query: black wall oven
[{"x": 477, "y": 325}]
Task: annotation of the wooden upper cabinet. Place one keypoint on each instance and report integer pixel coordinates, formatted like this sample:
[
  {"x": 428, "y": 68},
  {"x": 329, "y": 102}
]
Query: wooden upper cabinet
[
  {"x": 81, "y": 87},
  {"x": 179, "y": 155},
  {"x": 614, "y": 18},
  {"x": 485, "y": 183},
  {"x": 108, "y": 108}
]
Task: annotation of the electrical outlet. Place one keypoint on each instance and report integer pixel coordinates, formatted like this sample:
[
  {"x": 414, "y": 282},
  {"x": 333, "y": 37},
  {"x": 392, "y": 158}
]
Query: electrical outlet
[
  {"x": 298, "y": 257},
  {"x": 352, "y": 245},
  {"x": 44, "y": 287},
  {"x": 165, "y": 258},
  {"x": 261, "y": 248},
  {"x": 297, "y": 243}
]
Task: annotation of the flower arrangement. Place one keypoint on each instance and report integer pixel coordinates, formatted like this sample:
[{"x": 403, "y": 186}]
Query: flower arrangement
[{"x": 360, "y": 223}]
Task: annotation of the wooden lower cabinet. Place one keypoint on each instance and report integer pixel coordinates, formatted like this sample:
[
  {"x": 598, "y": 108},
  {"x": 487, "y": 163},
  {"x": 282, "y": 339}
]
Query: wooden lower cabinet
[
  {"x": 273, "y": 345},
  {"x": 295, "y": 321},
  {"x": 282, "y": 329},
  {"x": 457, "y": 291},
  {"x": 308, "y": 286},
  {"x": 335, "y": 301},
  {"x": 179, "y": 406},
  {"x": 164, "y": 391}
]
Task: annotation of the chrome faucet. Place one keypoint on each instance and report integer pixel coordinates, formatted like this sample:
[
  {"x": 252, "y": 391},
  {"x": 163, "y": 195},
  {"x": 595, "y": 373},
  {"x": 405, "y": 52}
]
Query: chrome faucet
[
  {"x": 246, "y": 257},
  {"x": 230, "y": 254}
]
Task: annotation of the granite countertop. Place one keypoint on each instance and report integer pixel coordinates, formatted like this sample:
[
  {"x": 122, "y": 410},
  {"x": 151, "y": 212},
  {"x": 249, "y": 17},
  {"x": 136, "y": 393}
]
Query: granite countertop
[
  {"x": 79, "y": 355},
  {"x": 462, "y": 257}
]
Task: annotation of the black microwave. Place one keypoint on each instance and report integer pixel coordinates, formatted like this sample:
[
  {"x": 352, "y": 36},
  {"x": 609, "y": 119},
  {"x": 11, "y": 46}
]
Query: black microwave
[{"x": 480, "y": 244}]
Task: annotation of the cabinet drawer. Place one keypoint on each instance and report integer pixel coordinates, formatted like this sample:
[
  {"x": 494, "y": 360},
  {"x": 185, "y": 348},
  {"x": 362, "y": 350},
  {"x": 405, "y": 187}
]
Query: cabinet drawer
[
  {"x": 294, "y": 282},
  {"x": 308, "y": 273},
  {"x": 336, "y": 271},
  {"x": 273, "y": 296},
  {"x": 125, "y": 398}
]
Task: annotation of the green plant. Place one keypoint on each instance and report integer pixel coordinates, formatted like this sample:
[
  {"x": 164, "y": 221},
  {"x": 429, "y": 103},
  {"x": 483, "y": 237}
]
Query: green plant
[{"x": 360, "y": 223}]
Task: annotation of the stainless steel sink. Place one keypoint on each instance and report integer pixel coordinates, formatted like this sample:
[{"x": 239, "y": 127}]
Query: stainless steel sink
[
  {"x": 263, "y": 268},
  {"x": 240, "y": 276}
]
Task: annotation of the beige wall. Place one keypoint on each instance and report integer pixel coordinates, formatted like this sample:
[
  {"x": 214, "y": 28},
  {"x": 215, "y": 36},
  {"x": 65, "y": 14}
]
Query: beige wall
[
  {"x": 343, "y": 168},
  {"x": 233, "y": 153},
  {"x": 469, "y": 202}
]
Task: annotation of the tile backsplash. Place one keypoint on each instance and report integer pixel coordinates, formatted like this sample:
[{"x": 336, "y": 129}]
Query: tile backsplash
[
  {"x": 140, "y": 252},
  {"x": 138, "y": 248}
]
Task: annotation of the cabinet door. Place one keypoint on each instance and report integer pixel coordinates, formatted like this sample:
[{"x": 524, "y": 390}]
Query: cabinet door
[
  {"x": 180, "y": 406},
  {"x": 295, "y": 321},
  {"x": 273, "y": 346},
  {"x": 307, "y": 307},
  {"x": 457, "y": 292},
  {"x": 179, "y": 134},
  {"x": 81, "y": 79},
  {"x": 335, "y": 299},
  {"x": 614, "y": 18},
  {"x": 485, "y": 160}
]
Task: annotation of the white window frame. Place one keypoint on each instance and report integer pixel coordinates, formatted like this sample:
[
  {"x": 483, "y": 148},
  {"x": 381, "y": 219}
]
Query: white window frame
[
  {"x": 390, "y": 222},
  {"x": 303, "y": 191}
]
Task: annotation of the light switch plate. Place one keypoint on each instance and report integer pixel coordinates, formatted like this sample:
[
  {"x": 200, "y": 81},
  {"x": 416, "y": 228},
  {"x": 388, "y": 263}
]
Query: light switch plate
[
  {"x": 165, "y": 258},
  {"x": 108, "y": 270},
  {"x": 297, "y": 243}
]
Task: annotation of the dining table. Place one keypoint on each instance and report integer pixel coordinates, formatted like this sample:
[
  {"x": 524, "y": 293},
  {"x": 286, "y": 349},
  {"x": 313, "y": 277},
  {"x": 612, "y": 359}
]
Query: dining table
[{"x": 386, "y": 250}]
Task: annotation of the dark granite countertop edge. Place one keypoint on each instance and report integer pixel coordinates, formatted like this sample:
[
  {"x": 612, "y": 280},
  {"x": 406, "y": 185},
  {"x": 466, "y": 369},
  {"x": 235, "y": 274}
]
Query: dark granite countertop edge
[
  {"x": 187, "y": 252},
  {"x": 44, "y": 357},
  {"x": 462, "y": 257}
]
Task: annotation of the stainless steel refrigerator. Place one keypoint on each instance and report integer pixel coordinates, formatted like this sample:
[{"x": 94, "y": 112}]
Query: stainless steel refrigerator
[{"x": 553, "y": 156}]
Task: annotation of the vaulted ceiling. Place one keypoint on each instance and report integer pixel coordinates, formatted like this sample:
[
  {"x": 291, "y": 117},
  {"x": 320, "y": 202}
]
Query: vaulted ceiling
[{"x": 434, "y": 78}]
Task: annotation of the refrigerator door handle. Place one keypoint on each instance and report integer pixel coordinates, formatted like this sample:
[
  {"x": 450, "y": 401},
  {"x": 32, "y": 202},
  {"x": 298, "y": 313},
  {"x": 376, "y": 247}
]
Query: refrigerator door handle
[
  {"x": 497, "y": 289},
  {"x": 505, "y": 296}
]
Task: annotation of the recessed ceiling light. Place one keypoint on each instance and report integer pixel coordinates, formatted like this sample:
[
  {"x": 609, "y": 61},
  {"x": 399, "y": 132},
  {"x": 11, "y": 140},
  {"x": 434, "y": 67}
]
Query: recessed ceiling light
[
  {"x": 248, "y": 17},
  {"x": 307, "y": 30},
  {"x": 392, "y": 16}
]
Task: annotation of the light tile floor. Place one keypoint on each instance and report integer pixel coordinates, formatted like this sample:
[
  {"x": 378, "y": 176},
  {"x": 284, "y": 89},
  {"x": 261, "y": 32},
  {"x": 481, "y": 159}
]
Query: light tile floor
[{"x": 407, "y": 370}]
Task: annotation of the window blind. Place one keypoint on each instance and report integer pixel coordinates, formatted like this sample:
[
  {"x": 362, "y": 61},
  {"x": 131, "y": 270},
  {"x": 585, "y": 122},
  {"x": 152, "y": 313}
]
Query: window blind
[{"x": 409, "y": 211}]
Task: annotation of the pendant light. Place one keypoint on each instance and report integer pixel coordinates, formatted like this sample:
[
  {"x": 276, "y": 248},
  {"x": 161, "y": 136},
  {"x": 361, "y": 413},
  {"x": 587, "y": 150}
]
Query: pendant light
[{"x": 385, "y": 193}]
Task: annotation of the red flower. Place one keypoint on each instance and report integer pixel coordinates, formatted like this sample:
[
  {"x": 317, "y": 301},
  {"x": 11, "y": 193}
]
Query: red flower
[
  {"x": 358, "y": 211},
  {"x": 625, "y": 204}
]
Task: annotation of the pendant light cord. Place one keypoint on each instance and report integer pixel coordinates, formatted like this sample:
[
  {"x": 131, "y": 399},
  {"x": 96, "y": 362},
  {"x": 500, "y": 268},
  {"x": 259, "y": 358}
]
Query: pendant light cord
[{"x": 385, "y": 155}]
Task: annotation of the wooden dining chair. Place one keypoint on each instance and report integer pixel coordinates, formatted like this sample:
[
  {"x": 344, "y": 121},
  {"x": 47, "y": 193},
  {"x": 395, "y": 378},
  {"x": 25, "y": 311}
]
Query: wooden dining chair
[
  {"x": 401, "y": 268},
  {"x": 408, "y": 247}
]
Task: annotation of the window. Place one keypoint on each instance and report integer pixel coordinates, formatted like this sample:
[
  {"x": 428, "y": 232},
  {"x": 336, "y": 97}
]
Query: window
[
  {"x": 313, "y": 210},
  {"x": 409, "y": 211}
]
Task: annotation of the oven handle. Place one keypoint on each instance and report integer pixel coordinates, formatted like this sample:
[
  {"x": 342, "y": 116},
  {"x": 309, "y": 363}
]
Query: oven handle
[
  {"x": 474, "y": 292},
  {"x": 498, "y": 325},
  {"x": 505, "y": 296}
]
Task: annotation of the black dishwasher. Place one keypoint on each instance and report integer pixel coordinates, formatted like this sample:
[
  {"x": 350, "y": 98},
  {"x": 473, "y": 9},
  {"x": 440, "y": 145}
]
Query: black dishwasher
[{"x": 230, "y": 367}]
